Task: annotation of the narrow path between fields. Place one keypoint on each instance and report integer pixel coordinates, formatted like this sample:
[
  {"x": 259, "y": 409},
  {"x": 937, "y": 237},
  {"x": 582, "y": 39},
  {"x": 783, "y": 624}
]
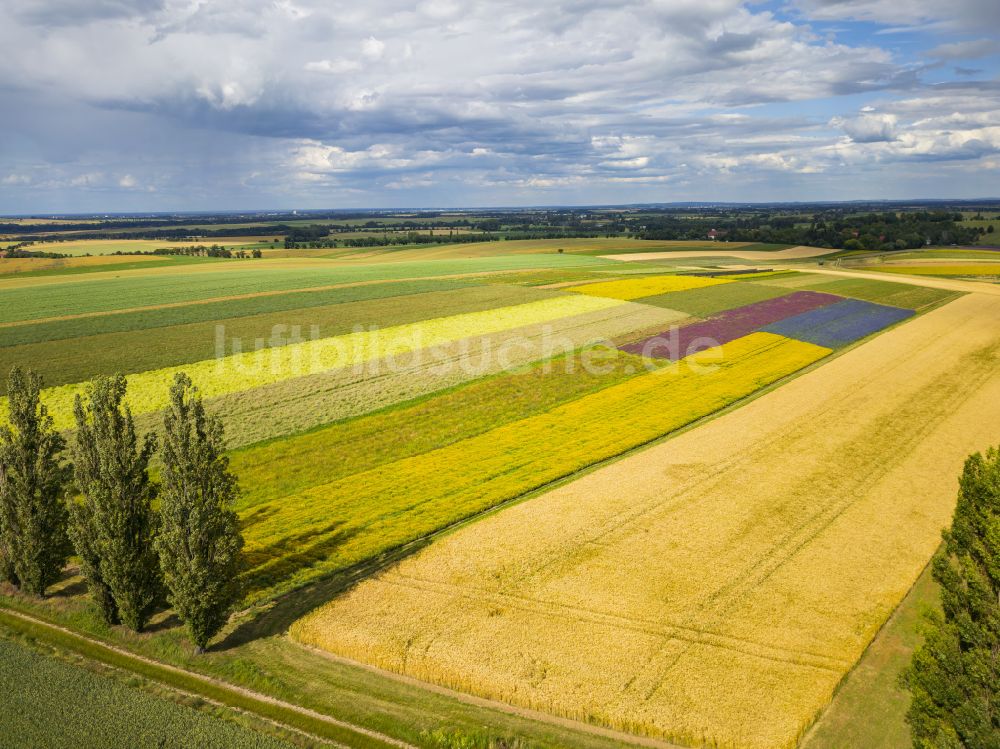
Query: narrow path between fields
[{"x": 932, "y": 282}]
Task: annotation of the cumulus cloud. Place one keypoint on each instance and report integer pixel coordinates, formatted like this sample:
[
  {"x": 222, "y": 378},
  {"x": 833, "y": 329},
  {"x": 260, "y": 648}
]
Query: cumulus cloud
[
  {"x": 868, "y": 127},
  {"x": 265, "y": 100}
]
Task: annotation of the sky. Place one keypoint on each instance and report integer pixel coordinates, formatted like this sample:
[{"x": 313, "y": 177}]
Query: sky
[{"x": 176, "y": 105}]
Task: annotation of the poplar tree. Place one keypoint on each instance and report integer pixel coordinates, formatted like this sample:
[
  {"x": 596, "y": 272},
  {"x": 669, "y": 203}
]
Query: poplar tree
[
  {"x": 954, "y": 677},
  {"x": 33, "y": 515},
  {"x": 199, "y": 542},
  {"x": 113, "y": 526}
]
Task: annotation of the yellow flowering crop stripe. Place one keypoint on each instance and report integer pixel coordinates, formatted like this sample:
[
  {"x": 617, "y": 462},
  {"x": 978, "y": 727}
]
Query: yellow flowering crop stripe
[
  {"x": 148, "y": 391},
  {"x": 636, "y": 288},
  {"x": 356, "y": 517}
]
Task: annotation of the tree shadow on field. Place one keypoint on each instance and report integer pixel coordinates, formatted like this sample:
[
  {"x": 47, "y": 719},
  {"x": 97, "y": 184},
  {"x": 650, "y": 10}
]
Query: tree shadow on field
[{"x": 289, "y": 607}]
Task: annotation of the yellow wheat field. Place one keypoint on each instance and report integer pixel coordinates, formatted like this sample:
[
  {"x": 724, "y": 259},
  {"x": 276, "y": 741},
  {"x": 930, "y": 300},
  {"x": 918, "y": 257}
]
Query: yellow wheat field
[
  {"x": 715, "y": 588},
  {"x": 636, "y": 288},
  {"x": 148, "y": 391}
]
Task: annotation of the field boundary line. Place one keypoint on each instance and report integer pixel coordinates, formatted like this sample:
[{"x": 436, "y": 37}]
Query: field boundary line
[
  {"x": 817, "y": 719},
  {"x": 107, "y": 653},
  {"x": 471, "y": 699}
]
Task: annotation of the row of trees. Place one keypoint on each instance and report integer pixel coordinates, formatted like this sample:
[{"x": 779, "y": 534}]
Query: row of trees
[{"x": 187, "y": 550}]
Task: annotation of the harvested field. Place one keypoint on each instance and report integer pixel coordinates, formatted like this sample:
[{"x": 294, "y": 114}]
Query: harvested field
[
  {"x": 728, "y": 326},
  {"x": 839, "y": 324},
  {"x": 716, "y": 588},
  {"x": 329, "y": 527},
  {"x": 636, "y": 288}
]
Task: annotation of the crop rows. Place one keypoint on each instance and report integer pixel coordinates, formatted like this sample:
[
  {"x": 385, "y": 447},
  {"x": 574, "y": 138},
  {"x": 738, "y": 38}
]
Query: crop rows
[
  {"x": 60, "y": 704},
  {"x": 147, "y": 290},
  {"x": 302, "y": 403},
  {"x": 728, "y": 325},
  {"x": 142, "y": 350},
  {"x": 884, "y": 292},
  {"x": 327, "y": 528},
  {"x": 120, "y": 322},
  {"x": 715, "y": 589},
  {"x": 636, "y": 288},
  {"x": 839, "y": 324},
  {"x": 711, "y": 300},
  {"x": 240, "y": 372}
]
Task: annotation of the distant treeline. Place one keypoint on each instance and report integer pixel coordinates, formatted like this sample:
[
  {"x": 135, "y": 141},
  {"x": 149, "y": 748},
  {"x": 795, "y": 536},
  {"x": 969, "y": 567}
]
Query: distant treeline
[
  {"x": 319, "y": 236},
  {"x": 873, "y": 231}
]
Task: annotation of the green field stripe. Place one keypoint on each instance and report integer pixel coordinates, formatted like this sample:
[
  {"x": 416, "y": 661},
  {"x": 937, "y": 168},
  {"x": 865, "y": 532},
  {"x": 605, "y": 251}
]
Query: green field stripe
[
  {"x": 216, "y": 690},
  {"x": 304, "y": 403},
  {"x": 56, "y": 330},
  {"x": 105, "y": 295},
  {"x": 713, "y": 299},
  {"x": 412, "y": 428},
  {"x": 79, "y": 359},
  {"x": 242, "y": 371},
  {"x": 885, "y": 292},
  {"x": 63, "y": 702}
]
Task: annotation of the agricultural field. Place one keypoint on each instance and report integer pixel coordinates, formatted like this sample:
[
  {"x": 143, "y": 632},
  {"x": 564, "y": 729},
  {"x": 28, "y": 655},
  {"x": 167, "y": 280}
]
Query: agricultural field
[
  {"x": 79, "y": 247},
  {"x": 986, "y": 271},
  {"x": 75, "y": 264},
  {"x": 57, "y": 703},
  {"x": 718, "y": 598},
  {"x": 572, "y": 246},
  {"x": 479, "y": 439}
]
